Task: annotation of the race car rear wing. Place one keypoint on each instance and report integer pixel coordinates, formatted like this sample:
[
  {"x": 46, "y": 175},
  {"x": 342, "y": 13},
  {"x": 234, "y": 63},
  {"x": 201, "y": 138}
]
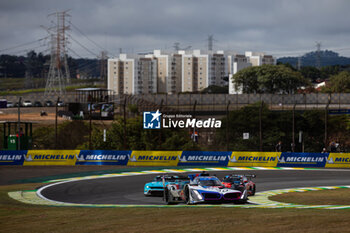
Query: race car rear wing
[{"x": 246, "y": 175}]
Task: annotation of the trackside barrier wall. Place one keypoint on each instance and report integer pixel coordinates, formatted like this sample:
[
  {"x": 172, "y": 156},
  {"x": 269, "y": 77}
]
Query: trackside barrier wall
[{"x": 174, "y": 158}]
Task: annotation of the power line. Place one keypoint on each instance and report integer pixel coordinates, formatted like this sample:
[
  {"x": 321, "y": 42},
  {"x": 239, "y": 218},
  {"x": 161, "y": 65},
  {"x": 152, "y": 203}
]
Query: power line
[
  {"x": 83, "y": 46},
  {"x": 87, "y": 36},
  {"x": 22, "y": 45}
]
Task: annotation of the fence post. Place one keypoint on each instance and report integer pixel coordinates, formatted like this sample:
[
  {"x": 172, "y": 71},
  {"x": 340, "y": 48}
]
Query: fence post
[{"x": 227, "y": 124}]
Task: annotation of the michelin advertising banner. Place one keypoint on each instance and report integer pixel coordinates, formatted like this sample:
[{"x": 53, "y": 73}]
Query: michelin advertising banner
[
  {"x": 103, "y": 157},
  {"x": 338, "y": 160},
  {"x": 204, "y": 158},
  {"x": 51, "y": 157},
  {"x": 12, "y": 157},
  {"x": 174, "y": 158},
  {"x": 302, "y": 160},
  {"x": 253, "y": 159},
  {"x": 154, "y": 158}
]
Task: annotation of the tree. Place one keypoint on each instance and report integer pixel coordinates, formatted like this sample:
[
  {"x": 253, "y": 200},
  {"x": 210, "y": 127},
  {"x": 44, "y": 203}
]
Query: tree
[
  {"x": 269, "y": 79},
  {"x": 311, "y": 73},
  {"x": 215, "y": 89},
  {"x": 277, "y": 126},
  {"x": 70, "y": 134},
  {"x": 136, "y": 138},
  {"x": 340, "y": 83}
]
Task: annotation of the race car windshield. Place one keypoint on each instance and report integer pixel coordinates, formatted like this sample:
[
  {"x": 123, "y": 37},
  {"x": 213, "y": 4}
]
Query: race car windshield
[
  {"x": 210, "y": 183},
  {"x": 232, "y": 179},
  {"x": 159, "y": 179}
]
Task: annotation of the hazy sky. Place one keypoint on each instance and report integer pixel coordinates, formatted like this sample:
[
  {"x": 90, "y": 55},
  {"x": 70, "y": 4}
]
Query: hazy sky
[{"x": 278, "y": 27}]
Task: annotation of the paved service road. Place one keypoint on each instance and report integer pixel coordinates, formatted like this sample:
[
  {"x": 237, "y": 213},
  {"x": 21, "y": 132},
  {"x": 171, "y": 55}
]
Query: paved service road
[{"x": 129, "y": 189}]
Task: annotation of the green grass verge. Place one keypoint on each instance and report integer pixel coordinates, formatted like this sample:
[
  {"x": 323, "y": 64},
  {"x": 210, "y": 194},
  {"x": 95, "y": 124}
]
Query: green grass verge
[
  {"x": 323, "y": 197},
  {"x": 19, "y": 217}
]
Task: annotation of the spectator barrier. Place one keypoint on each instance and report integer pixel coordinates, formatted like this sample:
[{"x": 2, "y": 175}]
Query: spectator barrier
[{"x": 174, "y": 158}]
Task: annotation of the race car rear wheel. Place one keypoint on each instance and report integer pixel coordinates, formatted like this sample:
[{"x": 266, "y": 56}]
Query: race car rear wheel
[
  {"x": 169, "y": 199},
  {"x": 187, "y": 195},
  {"x": 253, "y": 190}
]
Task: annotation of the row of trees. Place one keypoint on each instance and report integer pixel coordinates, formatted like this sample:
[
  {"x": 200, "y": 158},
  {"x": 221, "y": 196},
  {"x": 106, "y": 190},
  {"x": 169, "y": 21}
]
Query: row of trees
[
  {"x": 37, "y": 65},
  {"x": 275, "y": 126},
  {"x": 282, "y": 79},
  {"x": 120, "y": 135},
  {"x": 278, "y": 126}
]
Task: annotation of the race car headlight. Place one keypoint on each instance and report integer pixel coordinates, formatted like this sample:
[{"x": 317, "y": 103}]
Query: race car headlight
[
  {"x": 147, "y": 187},
  {"x": 197, "y": 195}
]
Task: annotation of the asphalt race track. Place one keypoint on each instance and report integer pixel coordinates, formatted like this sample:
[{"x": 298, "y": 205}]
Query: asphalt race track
[{"x": 129, "y": 190}]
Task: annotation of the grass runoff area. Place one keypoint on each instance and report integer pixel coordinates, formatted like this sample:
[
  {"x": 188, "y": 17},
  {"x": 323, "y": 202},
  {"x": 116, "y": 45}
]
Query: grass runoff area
[{"x": 19, "y": 217}]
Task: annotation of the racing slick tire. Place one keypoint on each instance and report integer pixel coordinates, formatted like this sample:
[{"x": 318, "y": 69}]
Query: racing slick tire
[
  {"x": 187, "y": 196},
  {"x": 242, "y": 201},
  {"x": 253, "y": 190},
  {"x": 169, "y": 199}
]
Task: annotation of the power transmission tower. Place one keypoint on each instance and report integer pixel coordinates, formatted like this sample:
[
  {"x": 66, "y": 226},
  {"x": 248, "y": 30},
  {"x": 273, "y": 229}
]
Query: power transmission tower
[
  {"x": 103, "y": 65},
  {"x": 210, "y": 42},
  {"x": 58, "y": 74},
  {"x": 29, "y": 72},
  {"x": 318, "y": 55},
  {"x": 299, "y": 63},
  {"x": 177, "y": 47}
]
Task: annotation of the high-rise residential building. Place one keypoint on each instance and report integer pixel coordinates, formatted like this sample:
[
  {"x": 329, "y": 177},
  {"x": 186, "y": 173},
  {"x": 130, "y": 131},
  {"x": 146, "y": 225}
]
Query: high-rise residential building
[
  {"x": 195, "y": 71},
  {"x": 236, "y": 63},
  {"x": 121, "y": 75},
  {"x": 218, "y": 69},
  {"x": 175, "y": 74},
  {"x": 146, "y": 79},
  {"x": 239, "y": 62},
  {"x": 184, "y": 71},
  {"x": 258, "y": 59},
  {"x": 163, "y": 71}
]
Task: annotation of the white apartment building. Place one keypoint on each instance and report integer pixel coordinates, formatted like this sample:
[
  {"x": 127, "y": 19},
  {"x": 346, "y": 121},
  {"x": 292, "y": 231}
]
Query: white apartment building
[
  {"x": 259, "y": 59},
  {"x": 146, "y": 79},
  {"x": 121, "y": 75},
  {"x": 195, "y": 71},
  {"x": 163, "y": 72},
  {"x": 236, "y": 63},
  {"x": 183, "y": 71},
  {"x": 218, "y": 69},
  {"x": 239, "y": 62}
]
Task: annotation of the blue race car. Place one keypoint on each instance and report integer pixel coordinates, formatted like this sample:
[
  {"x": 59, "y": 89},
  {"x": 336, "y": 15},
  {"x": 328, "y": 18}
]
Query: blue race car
[{"x": 157, "y": 185}]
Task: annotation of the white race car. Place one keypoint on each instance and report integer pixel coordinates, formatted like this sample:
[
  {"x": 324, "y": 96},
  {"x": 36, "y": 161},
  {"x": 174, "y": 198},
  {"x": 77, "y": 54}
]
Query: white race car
[{"x": 201, "y": 189}]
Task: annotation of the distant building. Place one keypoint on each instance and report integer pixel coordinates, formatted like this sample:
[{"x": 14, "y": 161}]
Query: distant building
[
  {"x": 162, "y": 72},
  {"x": 183, "y": 71},
  {"x": 239, "y": 62},
  {"x": 121, "y": 75},
  {"x": 218, "y": 69},
  {"x": 146, "y": 79}
]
